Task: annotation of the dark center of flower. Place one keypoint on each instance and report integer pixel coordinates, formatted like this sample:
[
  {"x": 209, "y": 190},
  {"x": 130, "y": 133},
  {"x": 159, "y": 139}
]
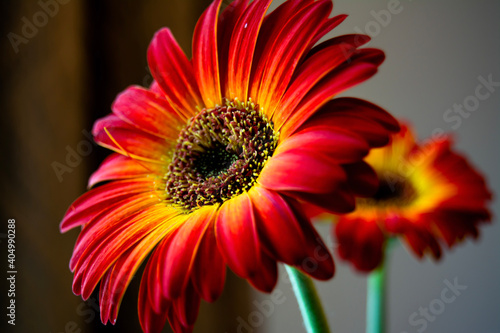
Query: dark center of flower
[
  {"x": 219, "y": 154},
  {"x": 214, "y": 162},
  {"x": 392, "y": 190}
]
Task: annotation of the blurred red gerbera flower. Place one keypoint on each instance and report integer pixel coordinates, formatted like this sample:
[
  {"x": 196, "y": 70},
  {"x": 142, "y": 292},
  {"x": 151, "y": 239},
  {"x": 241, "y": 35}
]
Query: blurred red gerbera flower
[
  {"x": 427, "y": 195},
  {"x": 214, "y": 159}
]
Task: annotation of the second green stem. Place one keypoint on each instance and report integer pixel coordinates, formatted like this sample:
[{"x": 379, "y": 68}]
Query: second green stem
[{"x": 375, "y": 300}]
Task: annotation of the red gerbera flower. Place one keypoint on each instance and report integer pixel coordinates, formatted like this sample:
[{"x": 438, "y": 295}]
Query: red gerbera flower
[
  {"x": 427, "y": 195},
  {"x": 214, "y": 159}
]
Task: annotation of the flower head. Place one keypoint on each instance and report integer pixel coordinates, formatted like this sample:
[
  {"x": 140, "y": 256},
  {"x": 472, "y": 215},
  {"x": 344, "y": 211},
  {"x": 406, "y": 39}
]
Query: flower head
[
  {"x": 427, "y": 195},
  {"x": 215, "y": 159}
]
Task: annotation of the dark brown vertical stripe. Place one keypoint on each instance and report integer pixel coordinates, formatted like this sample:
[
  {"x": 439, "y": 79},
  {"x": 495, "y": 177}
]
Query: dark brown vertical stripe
[{"x": 42, "y": 103}]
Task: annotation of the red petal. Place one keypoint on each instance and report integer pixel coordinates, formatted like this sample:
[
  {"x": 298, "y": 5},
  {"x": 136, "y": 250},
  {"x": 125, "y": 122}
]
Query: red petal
[
  {"x": 303, "y": 171},
  {"x": 95, "y": 201},
  {"x": 362, "y": 179},
  {"x": 339, "y": 145},
  {"x": 335, "y": 82},
  {"x": 455, "y": 225},
  {"x": 151, "y": 284},
  {"x": 109, "y": 220},
  {"x": 471, "y": 189},
  {"x": 281, "y": 233},
  {"x": 124, "y": 269},
  {"x": 271, "y": 28},
  {"x": 309, "y": 73},
  {"x": 155, "y": 288},
  {"x": 241, "y": 49},
  {"x": 104, "y": 313},
  {"x": 340, "y": 199},
  {"x": 155, "y": 87},
  {"x": 174, "y": 73},
  {"x": 357, "y": 116},
  {"x": 205, "y": 62},
  {"x": 361, "y": 242},
  {"x": 176, "y": 324},
  {"x": 375, "y": 134},
  {"x": 328, "y": 25},
  {"x": 372, "y": 56},
  {"x": 113, "y": 133},
  {"x": 368, "y": 121},
  {"x": 354, "y": 40},
  {"x": 288, "y": 235},
  {"x": 421, "y": 240},
  {"x": 117, "y": 166},
  {"x": 149, "y": 112},
  {"x": 182, "y": 251},
  {"x": 225, "y": 27},
  {"x": 209, "y": 268},
  {"x": 286, "y": 52},
  {"x": 105, "y": 248},
  {"x": 269, "y": 32},
  {"x": 239, "y": 244},
  {"x": 358, "y": 108},
  {"x": 151, "y": 321},
  {"x": 186, "y": 307}
]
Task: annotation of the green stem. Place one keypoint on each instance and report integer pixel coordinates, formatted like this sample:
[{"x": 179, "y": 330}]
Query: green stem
[
  {"x": 375, "y": 300},
  {"x": 309, "y": 303}
]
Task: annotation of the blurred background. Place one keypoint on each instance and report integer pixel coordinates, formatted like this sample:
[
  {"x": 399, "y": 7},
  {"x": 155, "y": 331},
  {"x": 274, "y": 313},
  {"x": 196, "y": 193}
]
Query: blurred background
[{"x": 64, "y": 61}]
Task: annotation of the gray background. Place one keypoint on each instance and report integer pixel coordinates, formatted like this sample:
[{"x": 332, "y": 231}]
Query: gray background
[{"x": 436, "y": 50}]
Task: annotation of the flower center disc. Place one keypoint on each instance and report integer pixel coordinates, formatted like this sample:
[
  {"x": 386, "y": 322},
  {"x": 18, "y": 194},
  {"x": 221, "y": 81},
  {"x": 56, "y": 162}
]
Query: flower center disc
[
  {"x": 393, "y": 190},
  {"x": 219, "y": 154}
]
